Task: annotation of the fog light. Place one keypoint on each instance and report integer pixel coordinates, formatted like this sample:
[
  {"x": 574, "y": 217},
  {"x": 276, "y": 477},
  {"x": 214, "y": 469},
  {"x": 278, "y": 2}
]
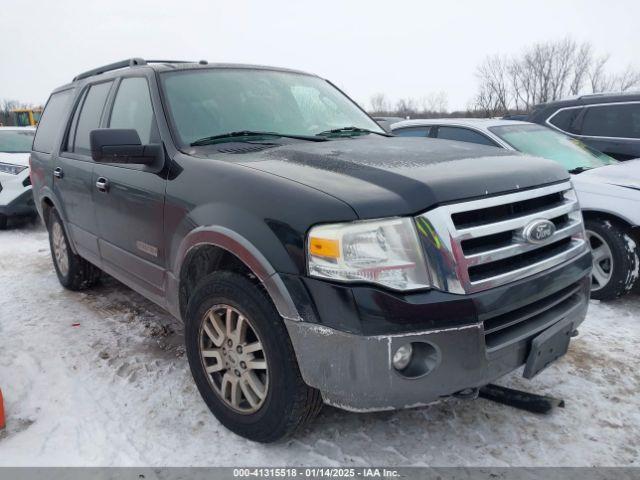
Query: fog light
[{"x": 402, "y": 357}]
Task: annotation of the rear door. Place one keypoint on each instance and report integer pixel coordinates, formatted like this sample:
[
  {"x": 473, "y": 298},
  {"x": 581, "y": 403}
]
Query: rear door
[
  {"x": 73, "y": 173},
  {"x": 130, "y": 210}
]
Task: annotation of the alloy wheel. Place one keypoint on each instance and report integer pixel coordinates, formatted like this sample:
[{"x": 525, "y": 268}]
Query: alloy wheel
[
  {"x": 233, "y": 358},
  {"x": 60, "y": 252},
  {"x": 602, "y": 261}
]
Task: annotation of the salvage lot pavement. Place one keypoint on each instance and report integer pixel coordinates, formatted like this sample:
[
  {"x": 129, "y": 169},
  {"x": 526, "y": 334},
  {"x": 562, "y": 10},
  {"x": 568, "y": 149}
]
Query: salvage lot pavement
[{"x": 100, "y": 378}]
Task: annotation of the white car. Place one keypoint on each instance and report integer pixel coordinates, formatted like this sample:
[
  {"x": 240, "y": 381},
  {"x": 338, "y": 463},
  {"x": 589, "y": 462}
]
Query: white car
[
  {"x": 16, "y": 198},
  {"x": 609, "y": 191}
]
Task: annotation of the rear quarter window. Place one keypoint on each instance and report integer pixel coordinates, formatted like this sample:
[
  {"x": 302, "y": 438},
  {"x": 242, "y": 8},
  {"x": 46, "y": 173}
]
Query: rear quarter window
[
  {"x": 565, "y": 120},
  {"x": 53, "y": 119}
]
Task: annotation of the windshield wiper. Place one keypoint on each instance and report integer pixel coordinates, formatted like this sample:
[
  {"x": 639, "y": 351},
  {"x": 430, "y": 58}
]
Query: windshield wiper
[
  {"x": 355, "y": 130},
  {"x": 577, "y": 170},
  {"x": 250, "y": 135}
]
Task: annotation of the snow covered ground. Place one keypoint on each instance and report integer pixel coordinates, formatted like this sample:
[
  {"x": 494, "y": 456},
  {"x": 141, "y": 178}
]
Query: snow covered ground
[{"x": 100, "y": 378}]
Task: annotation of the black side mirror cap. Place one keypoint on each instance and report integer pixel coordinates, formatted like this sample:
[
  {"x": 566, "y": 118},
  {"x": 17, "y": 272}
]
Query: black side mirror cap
[{"x": 116, "y": 145}]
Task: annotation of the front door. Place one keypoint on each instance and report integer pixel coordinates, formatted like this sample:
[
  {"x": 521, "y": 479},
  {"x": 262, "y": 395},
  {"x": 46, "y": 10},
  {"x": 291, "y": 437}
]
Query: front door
[{"x": 129, "y": 199}]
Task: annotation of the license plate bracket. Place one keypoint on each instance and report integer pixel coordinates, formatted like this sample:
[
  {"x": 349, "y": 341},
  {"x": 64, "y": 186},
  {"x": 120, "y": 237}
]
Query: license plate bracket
[{"x": 547, "y": 347}]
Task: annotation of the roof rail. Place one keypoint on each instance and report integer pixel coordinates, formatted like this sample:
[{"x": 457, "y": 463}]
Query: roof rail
[
  {"x": 132, "y": 62},
  {"x": 610, "y": 94}
]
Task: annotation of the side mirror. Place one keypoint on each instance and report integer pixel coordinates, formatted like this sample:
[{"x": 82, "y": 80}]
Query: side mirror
[{"x": 115, "y": 145}]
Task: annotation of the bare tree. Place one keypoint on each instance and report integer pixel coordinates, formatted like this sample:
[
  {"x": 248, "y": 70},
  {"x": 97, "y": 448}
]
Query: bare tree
[
  {"x": 599, "y": 79},
  {"x": 493, "y": 76},
  {"x": 544, "y": 72},
  {"x": 581, "y": 66},
  {"x": 379, "y": 103},
  {"x": 406, "y": 107},
  {"x": 628, "y": 79},
  {"x": 434, "y": 103}
]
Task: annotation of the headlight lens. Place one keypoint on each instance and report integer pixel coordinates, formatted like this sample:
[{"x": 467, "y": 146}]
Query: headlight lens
[
  {"x": 12, "y": 169},
  {"x": 386, "y": 252}
]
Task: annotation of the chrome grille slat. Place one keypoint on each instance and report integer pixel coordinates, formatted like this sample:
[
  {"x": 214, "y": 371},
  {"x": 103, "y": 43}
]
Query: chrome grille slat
[
  {"x": 520, "y": 246},
  {"x": 495, "y": 240},
  {"x": 532, "y": 269},
  {"x": 508, "y": 198},
  {"x": 514, "y": 223}
]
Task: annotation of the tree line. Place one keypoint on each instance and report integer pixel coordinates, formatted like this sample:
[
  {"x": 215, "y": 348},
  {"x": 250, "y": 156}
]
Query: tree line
[{"x": 542, "y": 72}]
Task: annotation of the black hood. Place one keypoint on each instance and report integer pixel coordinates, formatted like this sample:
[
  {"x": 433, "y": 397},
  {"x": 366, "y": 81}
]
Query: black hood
[{"x": 381, "y": 176}]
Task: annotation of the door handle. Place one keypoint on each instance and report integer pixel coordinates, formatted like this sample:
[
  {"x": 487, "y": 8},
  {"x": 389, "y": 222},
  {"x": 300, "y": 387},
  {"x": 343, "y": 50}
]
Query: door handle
[
  {"x": 58, "y": 173},
  {"x": 102, "y": 184}
]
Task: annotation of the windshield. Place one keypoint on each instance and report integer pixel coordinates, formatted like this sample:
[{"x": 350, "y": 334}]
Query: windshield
[
  {"x": 16, "y": 141},
  {"x": 543, "y": 142},
  {"x": 205, "y": 103}
]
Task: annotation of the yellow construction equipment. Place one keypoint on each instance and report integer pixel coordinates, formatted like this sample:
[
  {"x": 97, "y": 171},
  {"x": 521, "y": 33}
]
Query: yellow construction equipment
[{"x": 26, "y": 117}]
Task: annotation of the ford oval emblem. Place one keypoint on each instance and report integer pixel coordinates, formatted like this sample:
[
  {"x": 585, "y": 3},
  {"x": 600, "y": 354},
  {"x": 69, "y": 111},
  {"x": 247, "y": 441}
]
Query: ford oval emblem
[{"x": 538, "y": 231}]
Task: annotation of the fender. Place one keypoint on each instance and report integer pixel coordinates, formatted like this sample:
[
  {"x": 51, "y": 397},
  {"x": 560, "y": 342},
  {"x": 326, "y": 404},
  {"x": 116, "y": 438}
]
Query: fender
[
  {"x": 47, "y": 193},
  {"x": 239, "y": 246}
]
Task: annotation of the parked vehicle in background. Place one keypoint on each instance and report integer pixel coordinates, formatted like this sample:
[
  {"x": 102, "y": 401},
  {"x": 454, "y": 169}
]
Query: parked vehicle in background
[
  {"x": 608, "y": 190},
  {"x": 609, "y": 123},
  {"x": 516, "y": 116},
  {"x": 312, "y": 256},
  {"x": 16, "y": 198},
  {"x": 385, "y": 122}
]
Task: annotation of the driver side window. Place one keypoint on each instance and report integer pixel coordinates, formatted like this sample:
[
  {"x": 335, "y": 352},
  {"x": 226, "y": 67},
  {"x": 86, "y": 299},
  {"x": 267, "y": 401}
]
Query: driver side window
[{"x": 132, "y": 109}]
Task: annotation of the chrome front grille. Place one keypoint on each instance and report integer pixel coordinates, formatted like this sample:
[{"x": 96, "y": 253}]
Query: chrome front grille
[{"x": 481, "y": 244}]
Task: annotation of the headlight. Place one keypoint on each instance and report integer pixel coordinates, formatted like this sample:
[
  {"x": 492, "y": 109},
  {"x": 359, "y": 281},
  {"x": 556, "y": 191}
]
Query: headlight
[
  {"x": 12, "y": 169},
  {"x": 386, "y": 252}
]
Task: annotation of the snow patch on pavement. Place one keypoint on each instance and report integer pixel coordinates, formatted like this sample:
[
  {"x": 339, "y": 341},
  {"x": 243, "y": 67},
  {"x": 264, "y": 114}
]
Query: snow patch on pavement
[{"x": 116, "y": 390}]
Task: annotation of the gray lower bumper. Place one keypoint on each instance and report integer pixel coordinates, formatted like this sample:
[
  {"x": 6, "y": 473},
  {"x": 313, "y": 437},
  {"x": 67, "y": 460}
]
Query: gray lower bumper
[{"x": 355, "y": 373}]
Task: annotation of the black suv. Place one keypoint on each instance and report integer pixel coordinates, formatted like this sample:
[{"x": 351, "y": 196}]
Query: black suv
[
  {"x": 609, "y": 123},
  {"x": 313, "y": 257}
]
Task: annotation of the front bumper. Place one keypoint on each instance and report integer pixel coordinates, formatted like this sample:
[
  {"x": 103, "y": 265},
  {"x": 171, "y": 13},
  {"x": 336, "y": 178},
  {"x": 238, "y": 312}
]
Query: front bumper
[
  {"x": 16, "y": 196},
  {"x": 353, "y": 369}
]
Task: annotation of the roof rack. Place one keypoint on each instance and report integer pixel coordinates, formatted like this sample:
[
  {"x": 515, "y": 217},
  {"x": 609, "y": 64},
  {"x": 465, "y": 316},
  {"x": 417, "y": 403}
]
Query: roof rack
[
  {"x": 131, "y": 62},
  {"x": 610, "y": 94}
]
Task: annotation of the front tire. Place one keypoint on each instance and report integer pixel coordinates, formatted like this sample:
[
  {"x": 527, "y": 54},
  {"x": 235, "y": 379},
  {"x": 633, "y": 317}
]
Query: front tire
[
  {"x": 615, "y": 259},
  {"x": 243, "y": 362},
  {"x": 74, "y": 272}
]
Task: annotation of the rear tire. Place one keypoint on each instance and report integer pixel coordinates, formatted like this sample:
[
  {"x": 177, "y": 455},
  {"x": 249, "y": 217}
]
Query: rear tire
[
  {"x": 3, "y": 221},
  {"x": 286, "y": 403},
  {"x": 74, "y": 272},
  {"x": 615, "y": 259}
]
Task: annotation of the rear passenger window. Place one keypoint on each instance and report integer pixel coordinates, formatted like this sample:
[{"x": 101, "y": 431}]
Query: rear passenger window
[
  {"x": 132, "y": 108},
  {"x": 54, "y": 114},
  {"x": 413, "y": 132},
  {"x": 463, "y": 135},
  {"x": 88, "y": 119},
  {"x": 565, "y": 120},
  {"x": 612, "y": 121}
]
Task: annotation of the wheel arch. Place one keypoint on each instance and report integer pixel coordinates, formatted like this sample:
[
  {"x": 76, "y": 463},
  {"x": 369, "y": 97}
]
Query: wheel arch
[
  {"x": 213, "y": 248},
  {"x": 592, "y": 214},
  {"x": 47, "y": 201}
]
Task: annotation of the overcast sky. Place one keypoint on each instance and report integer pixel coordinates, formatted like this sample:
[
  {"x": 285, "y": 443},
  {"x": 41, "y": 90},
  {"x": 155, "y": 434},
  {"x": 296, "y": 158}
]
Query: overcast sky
[{"x": 401, "y": 48}]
